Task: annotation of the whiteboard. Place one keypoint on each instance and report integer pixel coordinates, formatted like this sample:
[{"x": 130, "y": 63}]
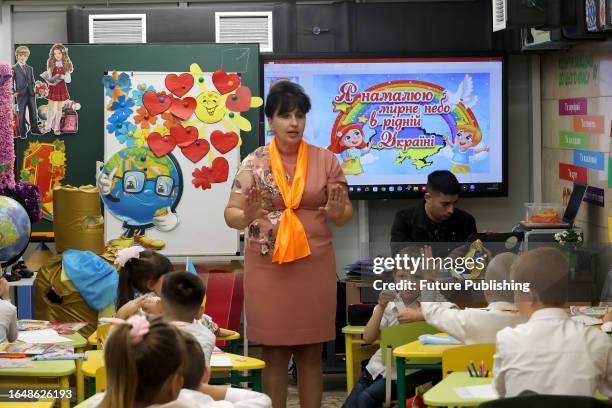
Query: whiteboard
[{"x": 201, "y": 229}]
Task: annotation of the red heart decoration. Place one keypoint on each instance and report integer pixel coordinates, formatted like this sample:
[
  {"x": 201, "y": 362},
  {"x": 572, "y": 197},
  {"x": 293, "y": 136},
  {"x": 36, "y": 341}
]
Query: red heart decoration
[
  {"x": 184, "y": 136},
  {"x": 223, "y": 142},
  {"x": 201, "y": 178},
  {"x": 225, "y": 83},
  {"x": 160, "y": 145},
  {"x": 219, "y": 170},
  {"x": 240, "y": 101},
  {"x": 156, "y": 103},
  {"x": 183, "y": 108},
  {"x": 179, "y": 85},
  {"x": 196, "y": 151}
]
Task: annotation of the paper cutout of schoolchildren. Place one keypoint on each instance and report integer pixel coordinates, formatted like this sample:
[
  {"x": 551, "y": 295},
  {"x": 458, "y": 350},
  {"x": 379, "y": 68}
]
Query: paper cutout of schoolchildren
[
  {"x": 349, "y": 142},
  {"x": 23, "y": 86},
  {"x": 61, "y": 111},
  {"x": 467, "y": 137}
]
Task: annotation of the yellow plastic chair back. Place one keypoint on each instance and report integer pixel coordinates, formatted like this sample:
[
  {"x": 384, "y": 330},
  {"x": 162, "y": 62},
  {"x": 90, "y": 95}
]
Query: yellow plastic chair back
[
  {"x": 100, "y": 379},
  {"x": 458, "y": 358},
  {"x": 102, "y": 334},
  {"x": 401, "y": 334}
]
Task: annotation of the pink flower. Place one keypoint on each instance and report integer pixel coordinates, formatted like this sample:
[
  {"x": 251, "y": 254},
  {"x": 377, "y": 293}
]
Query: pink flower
[{"x": 140, "y": 327}]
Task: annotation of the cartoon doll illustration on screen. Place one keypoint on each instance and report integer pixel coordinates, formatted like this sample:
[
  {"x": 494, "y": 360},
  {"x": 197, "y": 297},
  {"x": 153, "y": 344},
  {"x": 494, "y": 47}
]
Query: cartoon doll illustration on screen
[
  {"x": 143, "y": 191},
  {"x": 349, "y": 142},
  {"x": 60, "y": 115},
  {"x": 467, "y": 137}
]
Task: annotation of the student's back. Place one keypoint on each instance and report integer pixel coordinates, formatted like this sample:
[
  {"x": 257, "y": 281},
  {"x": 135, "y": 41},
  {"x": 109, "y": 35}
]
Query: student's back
[{"x": 552, "y": 354}]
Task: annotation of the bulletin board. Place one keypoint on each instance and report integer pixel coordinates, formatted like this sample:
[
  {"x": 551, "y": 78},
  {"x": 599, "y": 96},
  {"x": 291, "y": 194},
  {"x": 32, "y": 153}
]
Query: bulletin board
[{"x": 69, "y": 156}]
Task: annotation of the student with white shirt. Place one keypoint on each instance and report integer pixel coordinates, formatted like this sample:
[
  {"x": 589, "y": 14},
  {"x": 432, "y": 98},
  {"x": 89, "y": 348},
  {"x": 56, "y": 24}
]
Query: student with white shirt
[
  {"x": 8, "y": 314},
  {"x": 550, "y": 353},
  {"x": 182, "y": 294},
  {"x": 476, "y": 326},
  {"x": 369, "y": 391}
]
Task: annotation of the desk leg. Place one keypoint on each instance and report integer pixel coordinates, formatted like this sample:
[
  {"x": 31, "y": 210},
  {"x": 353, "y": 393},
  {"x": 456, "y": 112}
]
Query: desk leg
[
  {"x": 400, "y": 363},
  {"x": 350, "y": 378},
  {"x": 23, "y": 296},
  {"x": 257, "y": 380},
  {"x": 80, "y": 380},
  {"x": 64, "y": 383}
]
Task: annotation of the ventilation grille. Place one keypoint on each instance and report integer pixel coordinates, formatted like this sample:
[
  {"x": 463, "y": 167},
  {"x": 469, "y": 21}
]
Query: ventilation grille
[
  {"x": 117, "y": 28},
  {"x": 499, "y": 14},
  {"x": 245, "y": 27}
]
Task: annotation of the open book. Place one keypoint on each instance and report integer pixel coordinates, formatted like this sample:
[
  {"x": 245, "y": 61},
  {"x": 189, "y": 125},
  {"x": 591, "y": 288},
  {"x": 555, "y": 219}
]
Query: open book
[{"x": 51, "y": 80}]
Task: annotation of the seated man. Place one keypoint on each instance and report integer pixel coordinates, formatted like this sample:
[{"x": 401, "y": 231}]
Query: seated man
[{"x": 436, "y": 219}]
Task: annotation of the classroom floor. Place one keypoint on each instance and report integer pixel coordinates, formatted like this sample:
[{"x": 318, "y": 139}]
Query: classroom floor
[{"x": 334, "y": 392}]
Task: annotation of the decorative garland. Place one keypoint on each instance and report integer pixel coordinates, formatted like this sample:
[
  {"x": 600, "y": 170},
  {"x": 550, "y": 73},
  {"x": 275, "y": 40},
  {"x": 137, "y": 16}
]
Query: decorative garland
[
  {"x": 27, "y": 194},
  {"x": 7, "y": 148}
]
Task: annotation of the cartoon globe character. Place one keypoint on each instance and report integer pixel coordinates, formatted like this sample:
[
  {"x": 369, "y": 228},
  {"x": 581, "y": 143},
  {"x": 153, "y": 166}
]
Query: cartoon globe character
[{"x": 143, "y": 191}]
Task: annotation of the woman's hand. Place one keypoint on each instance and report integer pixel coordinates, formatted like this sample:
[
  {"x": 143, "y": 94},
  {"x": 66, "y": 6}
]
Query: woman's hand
[
  {"x": 336, "y": 203},
  {"x": 253, "y": 208}
]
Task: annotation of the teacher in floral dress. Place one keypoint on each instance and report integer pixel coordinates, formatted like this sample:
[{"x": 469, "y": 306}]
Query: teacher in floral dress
[{"x": 286, "y": 193}]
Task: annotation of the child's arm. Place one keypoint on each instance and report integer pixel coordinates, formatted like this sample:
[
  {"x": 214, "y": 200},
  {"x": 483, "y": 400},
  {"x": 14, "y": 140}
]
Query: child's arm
[
  {"x": 372, "y": 329},
  {"x": 448, "y": 141},
  {"x": 247, "y": 399},
  {"x": 129, "y": 309},
  {"x": 411, "y": 315},
  {"x": 482, "y": 149},
  {"x": 217, "y": 392},
  {"x": 446, "y": 317},
  {"x": 225, "y": 332},
  {"x": 499, "y": 380}
]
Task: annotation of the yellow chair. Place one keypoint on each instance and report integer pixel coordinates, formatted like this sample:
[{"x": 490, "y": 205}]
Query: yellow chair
[
  {"x": 100, "y": 379},
  {"x": 95, "y": 361},
  {"x": 37, "y": 404},
  {"x": 458, "y": 358}
]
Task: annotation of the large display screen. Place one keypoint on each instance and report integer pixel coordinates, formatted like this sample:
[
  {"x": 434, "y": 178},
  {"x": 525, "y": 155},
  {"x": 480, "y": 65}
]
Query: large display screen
[{"x": 392, "y": 121}]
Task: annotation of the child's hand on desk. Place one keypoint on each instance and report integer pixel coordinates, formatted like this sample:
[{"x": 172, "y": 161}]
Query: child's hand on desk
[
  {"x": 410, "y": 315},
  {"x": 152, "y": 305},
  {"x": 385, "y": 297},
  {"x": 608, "y": 316},
  {"x": 130, "y": 308}
]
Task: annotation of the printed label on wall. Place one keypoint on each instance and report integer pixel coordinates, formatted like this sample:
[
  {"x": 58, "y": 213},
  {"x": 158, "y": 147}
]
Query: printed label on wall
[
  {"x": 592, "y": 160},
  {"x": 573, "y": 173},
  {"x": 589, "y": 124},
  {"x": 573, "y": 106},
  {"x": 595, "y": 196},
  {"x": 573, "y": 140}
]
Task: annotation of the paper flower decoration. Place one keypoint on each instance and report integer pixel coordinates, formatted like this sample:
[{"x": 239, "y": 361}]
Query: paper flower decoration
[
  {"x": 115, "y": 84},
  {"x": 139, "y": 91},
  {"x": 123, "y": 104},
  {"x": 144, "y": 119}
]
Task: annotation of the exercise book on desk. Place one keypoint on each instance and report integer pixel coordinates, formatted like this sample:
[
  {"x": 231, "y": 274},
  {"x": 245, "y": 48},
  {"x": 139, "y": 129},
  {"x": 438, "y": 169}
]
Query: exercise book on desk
[
  {"x": 477, "y": 392},
  {"x": 219, "y": 360},
  {"x": 45, "y": 336}
]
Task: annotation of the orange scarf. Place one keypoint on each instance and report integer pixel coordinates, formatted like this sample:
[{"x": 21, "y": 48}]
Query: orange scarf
[{"x": 291, "y": 242}]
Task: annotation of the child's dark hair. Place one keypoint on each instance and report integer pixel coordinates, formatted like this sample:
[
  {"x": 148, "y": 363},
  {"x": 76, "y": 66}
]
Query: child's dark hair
[
  {"x": 137, "y": 272},
  {"x": 137, "y": 371},
  {"x": 195, "y": 362},
  {"x": 182, "y": 294},
  {"x": 285, "y": 96},
  {"x": 443, "y": 182}
]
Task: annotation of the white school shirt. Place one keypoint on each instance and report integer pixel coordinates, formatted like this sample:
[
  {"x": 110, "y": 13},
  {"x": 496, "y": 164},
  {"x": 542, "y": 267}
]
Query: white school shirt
[
  {"x": 471, "y": 326},
  {"x": 203, "y": 335},
  {"x": 234, "y": 397},
  {"x": 8, "y": 321},
  {"x": 552, "y": 354}
]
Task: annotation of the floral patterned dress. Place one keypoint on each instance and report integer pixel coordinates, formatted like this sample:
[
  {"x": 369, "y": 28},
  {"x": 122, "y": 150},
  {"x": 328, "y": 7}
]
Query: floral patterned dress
[{"x": 292, "y": 303}]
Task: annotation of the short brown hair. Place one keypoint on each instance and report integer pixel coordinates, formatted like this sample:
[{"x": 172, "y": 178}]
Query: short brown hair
[{"x": 546, "y": 270}]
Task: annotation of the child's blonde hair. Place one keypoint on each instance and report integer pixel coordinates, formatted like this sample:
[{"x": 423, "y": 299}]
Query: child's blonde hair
[
  {"x": 138, "y": 370},
  {"x": 22, "y": 49},
  {"x": 471, "y": 128},
  {"x": 546, "y": 270}
]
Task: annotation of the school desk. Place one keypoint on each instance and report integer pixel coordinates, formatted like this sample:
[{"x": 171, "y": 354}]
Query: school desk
[
  {"x": 35, "y": 404},
  {"x": 443, "y": 393},
  {"x": 356, "y": 352},
  {"x": 46, "y": 374},
  {"x": 232, "y": 339},
  {"x": 416, "y": 350},
  {"x": 240, "y": 363}
]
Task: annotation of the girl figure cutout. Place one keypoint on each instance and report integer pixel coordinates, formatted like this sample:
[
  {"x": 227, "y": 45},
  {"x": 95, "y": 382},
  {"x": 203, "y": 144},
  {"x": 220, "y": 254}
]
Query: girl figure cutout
[
  {"x": 59, "y": 68},
  {"x": 349, "y": 143}
]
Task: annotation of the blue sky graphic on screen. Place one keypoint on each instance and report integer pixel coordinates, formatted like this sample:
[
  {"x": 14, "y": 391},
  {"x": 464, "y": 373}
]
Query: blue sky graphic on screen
[{"x": 395, "y": 121}]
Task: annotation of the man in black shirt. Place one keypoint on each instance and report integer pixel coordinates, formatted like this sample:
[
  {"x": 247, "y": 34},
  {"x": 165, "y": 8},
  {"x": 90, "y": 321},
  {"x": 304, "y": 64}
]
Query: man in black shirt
[{"x": 436, "y": 219}]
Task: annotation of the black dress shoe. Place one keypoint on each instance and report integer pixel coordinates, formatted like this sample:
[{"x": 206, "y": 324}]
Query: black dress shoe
[
  {"x": 22, "y": 270},
  {"x": 13, "y": 277}
]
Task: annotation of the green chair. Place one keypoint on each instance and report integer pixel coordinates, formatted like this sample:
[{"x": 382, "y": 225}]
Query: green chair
[{"x": 396, "y": 336}]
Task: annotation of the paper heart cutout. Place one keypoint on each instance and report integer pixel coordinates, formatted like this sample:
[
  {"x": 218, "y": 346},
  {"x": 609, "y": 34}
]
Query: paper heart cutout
[
  {"x": 219, "y": 170},
  {"x": 240, "y": 101},
  {"x": 183, "y": 108},
  {"x": 179, "y": 84},
  {"x": 196, "y": 151},
  {"x": 223, "y": 142},
  {"x": 156, "y": 103},
  {"x": 224, "y": 82},
  {"x": 184, "y": 136},
  {"x": 160, "y": 145}
]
